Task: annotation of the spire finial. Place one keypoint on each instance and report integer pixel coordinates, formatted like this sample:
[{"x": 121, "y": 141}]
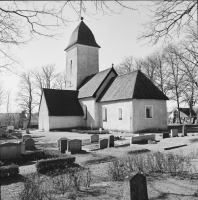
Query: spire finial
[
  {"x": 112, "y": 65},
  {"x": 82, "y": 18}
]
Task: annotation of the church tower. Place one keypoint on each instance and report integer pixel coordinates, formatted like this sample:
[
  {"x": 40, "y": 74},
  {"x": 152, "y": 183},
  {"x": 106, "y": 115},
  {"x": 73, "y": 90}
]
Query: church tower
[{"x": 82, "y": 56}]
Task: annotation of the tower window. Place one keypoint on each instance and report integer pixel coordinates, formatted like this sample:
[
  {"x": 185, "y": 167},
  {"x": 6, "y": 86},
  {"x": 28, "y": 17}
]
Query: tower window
[
  {"x": 85, "y": 111},
  {"x": 104, "y": 114},
  {"x": 149, "y": 111},
  {"x": 71, "y": 68}
]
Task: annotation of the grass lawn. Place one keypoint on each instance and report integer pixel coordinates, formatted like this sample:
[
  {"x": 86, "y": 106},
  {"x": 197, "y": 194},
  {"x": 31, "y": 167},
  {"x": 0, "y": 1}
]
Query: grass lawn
[{"x": 160, "y": 186}]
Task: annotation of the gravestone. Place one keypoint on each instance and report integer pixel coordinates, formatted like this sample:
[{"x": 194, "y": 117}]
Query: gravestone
[
  {"x": 22, "y": 147},
  {"x": 111, "y": 141},
  {"x": 29, "y": 144},
  {"x": 63, "y": 145},
  {"x": 142, "y": 139},
  {"x": 59, "y": 139},
  {"x": 174, "y": 133},
  {"x": 184, "y": 130},
  {"x": 165, "y": 135},
  {"x": 94, "y": 138},
  {"x": 25, "y": 137},
  {"x": 74, "y": 145},
  {"x": 135, "y": 188},
  {"x": 10, "y": 150},
  {"x": 103, "y": 143}
]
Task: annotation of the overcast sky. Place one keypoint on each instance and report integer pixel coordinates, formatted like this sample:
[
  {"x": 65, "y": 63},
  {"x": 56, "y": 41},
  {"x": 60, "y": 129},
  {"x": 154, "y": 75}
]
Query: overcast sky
[{"x": 115, "y": 33}]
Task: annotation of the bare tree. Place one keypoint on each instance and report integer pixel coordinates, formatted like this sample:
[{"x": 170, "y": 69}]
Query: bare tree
[
  {"x": 26, "y": 97},
  {"x": 126, "y": 66},
  {"x": 46, "y": 77},
  {"x": 24, "y": 20},
  {"x": 2, "y": 95},
  {"x": 169, "y": 19},
  {"x": 176, "y": 76},
  {"x": 61, "y": 81}
]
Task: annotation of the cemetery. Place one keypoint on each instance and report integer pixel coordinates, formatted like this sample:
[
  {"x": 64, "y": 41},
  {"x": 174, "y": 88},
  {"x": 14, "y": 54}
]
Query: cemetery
[{"x": 103, "y": 161}]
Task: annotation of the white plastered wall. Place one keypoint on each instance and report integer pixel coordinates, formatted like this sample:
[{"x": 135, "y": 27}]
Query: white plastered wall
[
  {"x": 159, "y": 120},
  {"x": 113, "y": 122},
  {"x": 65, "y": 121},
  {"x": 92, "y": 112}
]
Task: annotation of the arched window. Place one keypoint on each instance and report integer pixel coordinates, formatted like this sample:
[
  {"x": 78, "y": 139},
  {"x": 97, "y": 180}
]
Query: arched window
[{"x": 104, "y": 113}]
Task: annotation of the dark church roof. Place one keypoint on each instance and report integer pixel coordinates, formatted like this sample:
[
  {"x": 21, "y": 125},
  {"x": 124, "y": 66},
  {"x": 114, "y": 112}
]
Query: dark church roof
[
  {"x": 134, "y": 85},
  {"x": 62, "y": 102},
  {"x": 92, "y": 83},
  {"x": 82, "y": 35}
]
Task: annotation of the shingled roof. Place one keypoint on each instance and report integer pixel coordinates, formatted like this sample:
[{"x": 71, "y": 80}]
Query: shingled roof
[
  {"x": 134, "y": 85},
  {"x": 62, "y": 102},
  {"x": 92, "y": 83},
  {"x": 82, "y": 35}
]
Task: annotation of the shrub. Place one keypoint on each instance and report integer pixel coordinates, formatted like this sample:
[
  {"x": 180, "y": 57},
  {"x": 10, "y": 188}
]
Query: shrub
[
  {"x": 116, "y": 170},
  {"x": 34, "y": 155},
  {"x": 9, "y": 170},
  {"x": 54, "y": 163},
  {"x": 152, "y": 162},
  {"x": 36, "y": 187}
]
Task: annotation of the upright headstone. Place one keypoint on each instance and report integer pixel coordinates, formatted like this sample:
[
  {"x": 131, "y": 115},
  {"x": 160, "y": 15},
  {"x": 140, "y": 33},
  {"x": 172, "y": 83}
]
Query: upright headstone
[
  {"x": 63, "y": 145},
  {"x": 22, "y": 147},
  {"x": 94, "y": 138},
  {"x": 174, "y": 132},
  {"x": 25, "y": 137},
  {"x": 139, "y": 139},
  {"x": 103, "y": 143},
  {"x": 135, "y": 188},
  {"x": 111, "y": 141},
  {"x": 59, "y": 139},
  {"x": 184, "y": 130},
  {"x": 29, "y": 144},
  {"x": 74, "y": 145}
]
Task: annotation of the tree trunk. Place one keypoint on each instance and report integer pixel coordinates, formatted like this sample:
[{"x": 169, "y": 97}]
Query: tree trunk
[{"x": 178, "y": 105}]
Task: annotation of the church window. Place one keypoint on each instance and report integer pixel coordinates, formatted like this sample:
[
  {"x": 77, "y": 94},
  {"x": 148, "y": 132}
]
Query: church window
[
  {"x": 149, "y": 111},
  {"x": 104, "y": 113},
  {"x": 120, "y": 113}
]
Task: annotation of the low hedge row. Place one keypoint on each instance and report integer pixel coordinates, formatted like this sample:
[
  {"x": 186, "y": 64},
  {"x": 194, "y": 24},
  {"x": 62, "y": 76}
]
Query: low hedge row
[
  {"x": 52, "y": 164},
  {"x": 9, "y": 170}
]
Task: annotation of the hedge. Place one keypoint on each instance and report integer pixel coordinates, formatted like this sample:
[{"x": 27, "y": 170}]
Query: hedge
[
  {"x": 53, "y": 164},
  {"x": 9, "y": 170}
]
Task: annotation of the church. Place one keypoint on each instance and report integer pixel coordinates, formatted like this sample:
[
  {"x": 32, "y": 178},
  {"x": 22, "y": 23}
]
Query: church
[{"x": 101, "y": 99}]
